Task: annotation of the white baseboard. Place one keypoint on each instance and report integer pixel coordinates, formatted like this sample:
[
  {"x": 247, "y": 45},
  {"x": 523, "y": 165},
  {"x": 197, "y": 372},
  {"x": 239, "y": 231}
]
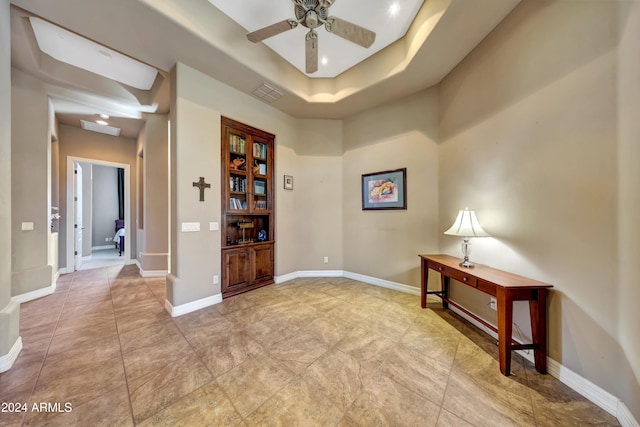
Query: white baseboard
[
  {"x": 150, "y": 273},
  {"x": 153, "y": 273},
  {"x": 192, "y": 306},
  {"x": 625, "y": 417},
  {"x": 383, "y": 283},
  {"x": 38, "y": 293},
  {"x": 6, "y": 361},
  {"x": 586, "y": 388}
]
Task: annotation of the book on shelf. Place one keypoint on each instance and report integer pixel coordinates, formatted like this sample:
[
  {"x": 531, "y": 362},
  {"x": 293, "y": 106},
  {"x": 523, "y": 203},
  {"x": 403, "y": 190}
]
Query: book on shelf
[
  {"x": 237, "y": 144},
  {"x": 259, "y": 187},
  {"x": 259, "y": 150},
  {"x": 237, "y": 204},
  {"x": 238, "y": 184}
]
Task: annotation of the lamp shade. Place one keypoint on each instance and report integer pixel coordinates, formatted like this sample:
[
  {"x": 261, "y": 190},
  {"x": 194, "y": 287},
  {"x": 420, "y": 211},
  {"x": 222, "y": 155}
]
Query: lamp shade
[{"x": 466, "y": 225}]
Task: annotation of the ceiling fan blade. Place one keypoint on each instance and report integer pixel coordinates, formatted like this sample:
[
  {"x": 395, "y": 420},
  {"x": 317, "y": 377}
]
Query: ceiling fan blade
[
  {"x": 352, "y": 32},
  {"x": 311, "y": 52},
  {"x": 272, "y": 30}
]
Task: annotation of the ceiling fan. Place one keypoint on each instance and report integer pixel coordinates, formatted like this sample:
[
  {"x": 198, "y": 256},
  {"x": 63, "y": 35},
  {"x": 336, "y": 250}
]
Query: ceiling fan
[{"x": 313, "y": 14}]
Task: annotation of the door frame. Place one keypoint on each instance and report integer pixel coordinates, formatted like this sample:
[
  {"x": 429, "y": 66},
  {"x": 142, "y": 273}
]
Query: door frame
[
  {"x": 70, "y": 235},
  {"x": 77, "y": 215}
]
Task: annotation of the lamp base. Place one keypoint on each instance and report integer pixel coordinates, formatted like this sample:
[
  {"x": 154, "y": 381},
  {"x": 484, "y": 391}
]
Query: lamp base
[
  {"x": 466, "y": 250},
  {"x": 467, "y": 264}
]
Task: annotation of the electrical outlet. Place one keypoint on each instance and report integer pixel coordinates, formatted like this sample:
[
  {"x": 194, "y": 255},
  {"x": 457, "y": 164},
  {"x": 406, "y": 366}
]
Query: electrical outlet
[
  {"x": 326, "y": 260},
  {"x": 215, "y": 279},
  {"x": 107, "y": 239},
  {"x": 492, "y": 303}
]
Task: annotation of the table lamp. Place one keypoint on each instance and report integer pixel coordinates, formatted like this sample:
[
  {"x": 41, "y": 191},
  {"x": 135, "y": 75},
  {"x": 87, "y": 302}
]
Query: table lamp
[{"x": 467, "y": 226}]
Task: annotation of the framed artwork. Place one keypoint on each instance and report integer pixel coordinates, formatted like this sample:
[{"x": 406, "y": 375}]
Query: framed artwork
[
  {"x": 288, "y": 182},
  {"x": 385, "y": 190}
]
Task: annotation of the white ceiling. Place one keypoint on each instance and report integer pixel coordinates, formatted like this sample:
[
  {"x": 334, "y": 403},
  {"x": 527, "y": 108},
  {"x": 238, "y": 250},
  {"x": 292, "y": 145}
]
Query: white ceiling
[
  {"x": 160, "y": 33},
  {"x": 389, "y": 19}
]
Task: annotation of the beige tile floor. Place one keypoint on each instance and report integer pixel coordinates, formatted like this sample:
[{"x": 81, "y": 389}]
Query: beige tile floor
[{"x": 308, "y": 352}]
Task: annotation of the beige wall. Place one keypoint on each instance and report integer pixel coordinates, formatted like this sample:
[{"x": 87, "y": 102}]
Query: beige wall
[
  {"x": 529, "y": 135},
  {"x": 75, "y": 142},
  {"x": 9, "y": 311},
  {"x": 30, "y": 177},
  {"x": 153, "y": 253},
  {"x": 629, "y": 197},
  {"x": 385, "y": 244}
]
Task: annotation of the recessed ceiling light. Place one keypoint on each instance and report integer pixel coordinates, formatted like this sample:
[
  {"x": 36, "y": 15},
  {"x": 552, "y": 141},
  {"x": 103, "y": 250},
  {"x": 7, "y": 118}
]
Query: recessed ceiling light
[
  {"x": 101, "y": 122},
  {"x": 324, "y": 60},
  {"x": 108, "y": 130},
  {"x": 104, "y": 116},
  {"x": 394, "y": 8}
]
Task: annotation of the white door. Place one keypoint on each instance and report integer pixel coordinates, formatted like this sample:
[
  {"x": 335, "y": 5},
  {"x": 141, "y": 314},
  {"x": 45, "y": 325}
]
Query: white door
[{"x": 77, "y": 209}]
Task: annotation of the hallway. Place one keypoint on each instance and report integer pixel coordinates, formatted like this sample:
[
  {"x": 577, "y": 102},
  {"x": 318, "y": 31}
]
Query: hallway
[{"x": 103, "y": 258}]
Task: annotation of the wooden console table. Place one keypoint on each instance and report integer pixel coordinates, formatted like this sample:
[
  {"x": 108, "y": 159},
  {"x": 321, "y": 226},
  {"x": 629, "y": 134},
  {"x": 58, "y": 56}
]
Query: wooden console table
[{"x": 506, "y": 287}]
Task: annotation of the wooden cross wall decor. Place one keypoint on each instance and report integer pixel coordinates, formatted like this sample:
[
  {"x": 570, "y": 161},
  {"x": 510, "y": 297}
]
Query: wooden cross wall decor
[{"x": 201, "y": 185}]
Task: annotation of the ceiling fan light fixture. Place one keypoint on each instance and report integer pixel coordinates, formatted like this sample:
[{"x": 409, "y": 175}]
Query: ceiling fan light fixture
[{"x": 394, "y": 8}]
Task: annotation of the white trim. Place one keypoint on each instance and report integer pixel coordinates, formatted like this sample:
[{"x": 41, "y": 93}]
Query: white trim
[
  {"x": 625, "y": 417},
  {"x": 153, "y": 273},
  {"x": 383, "y": 283},
  {"x": 320, "y": 273},
  {"x": 150, "y": 273},
  {"x": 7, "y": 361},
  {"x": 38, "y": 293},
  {"x": 192, "y": 306},
  {"x": 586, "y": 388},
  {"x": 308, "y": 273}
]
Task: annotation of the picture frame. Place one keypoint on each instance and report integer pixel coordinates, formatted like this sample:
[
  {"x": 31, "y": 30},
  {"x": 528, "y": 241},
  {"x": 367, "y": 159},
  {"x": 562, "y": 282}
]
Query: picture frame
[
  {"x": 288, "y": 182},
  {"x": 384, "y": 190}
]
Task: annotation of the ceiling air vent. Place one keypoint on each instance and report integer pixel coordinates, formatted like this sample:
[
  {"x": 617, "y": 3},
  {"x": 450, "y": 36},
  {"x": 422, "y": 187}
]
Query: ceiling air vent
[
  {"x": 94, "y": 127},
  {"x": 268, "y": 92}
]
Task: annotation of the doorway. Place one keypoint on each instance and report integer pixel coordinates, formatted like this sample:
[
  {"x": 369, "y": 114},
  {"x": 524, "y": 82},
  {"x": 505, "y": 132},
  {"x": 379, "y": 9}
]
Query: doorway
[{"x": 106, "y": 254}]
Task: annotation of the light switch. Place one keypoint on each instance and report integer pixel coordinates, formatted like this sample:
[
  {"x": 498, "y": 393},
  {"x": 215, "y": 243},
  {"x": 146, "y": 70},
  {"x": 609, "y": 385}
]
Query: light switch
[
  {"x": 213, "y": 226},
  {"x": 190, "y": 226},
  {"x": 27, "y": 226}
]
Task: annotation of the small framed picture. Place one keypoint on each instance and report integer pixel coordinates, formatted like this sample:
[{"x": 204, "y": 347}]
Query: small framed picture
[
  {"x": 385, "y": 190},
  {"x": 288, "y": 182}
]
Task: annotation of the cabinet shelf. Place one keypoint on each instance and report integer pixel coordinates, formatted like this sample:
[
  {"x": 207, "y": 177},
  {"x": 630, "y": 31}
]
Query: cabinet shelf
[{"x": 248, "y": 226}]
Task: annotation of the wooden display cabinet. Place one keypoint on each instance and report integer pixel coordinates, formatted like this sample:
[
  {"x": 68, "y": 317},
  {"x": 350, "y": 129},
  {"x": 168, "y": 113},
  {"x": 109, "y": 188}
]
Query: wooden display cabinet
[{"x": 247, "y": 208}]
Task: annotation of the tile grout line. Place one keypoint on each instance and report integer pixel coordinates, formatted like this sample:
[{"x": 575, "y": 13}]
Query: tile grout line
[
  {"x": 124, "y": 370},
  {"x": 46, "y": 353}
]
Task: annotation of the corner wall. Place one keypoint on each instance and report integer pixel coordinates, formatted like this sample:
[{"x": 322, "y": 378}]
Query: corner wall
[
  {"x": 154, "y": 249},
  {"x": 385, "y": 244},
  {"x": 30, "y": 182},
  {"x": 9, "y": 311}
]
